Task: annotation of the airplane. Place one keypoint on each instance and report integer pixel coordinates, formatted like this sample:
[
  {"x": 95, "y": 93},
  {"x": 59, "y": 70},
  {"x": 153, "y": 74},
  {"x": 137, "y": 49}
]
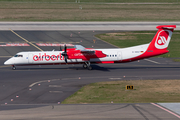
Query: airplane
[{"x": 88, "y": 56}]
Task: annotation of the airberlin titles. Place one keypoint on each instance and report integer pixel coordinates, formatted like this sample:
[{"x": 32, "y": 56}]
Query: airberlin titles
[
  {"x": 48, "y": 57},
  {"x": 71, "y": 55}
]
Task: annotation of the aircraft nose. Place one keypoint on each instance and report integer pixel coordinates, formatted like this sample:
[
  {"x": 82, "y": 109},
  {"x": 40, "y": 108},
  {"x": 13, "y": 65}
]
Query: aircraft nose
[{"x": 8, "y": 62}]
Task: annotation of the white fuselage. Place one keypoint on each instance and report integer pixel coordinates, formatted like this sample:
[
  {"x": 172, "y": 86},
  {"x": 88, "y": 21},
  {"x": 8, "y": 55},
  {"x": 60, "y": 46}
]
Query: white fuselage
[{"x": 55, "y": 57}]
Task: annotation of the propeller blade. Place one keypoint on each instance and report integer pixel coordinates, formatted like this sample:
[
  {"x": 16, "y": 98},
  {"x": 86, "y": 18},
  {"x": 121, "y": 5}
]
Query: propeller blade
[
  {"x": 65, "y": 58},
  {"x": 65, "y": 48},
  {"x": 65, "y": 53}
]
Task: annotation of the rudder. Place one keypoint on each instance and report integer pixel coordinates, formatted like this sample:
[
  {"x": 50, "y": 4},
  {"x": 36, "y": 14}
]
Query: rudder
[{"x": 162, "y": 38}]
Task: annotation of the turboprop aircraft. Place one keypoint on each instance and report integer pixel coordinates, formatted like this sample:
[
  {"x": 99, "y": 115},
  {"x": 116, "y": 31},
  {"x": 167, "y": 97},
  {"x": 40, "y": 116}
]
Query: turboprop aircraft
[{"x": 86, "y": 56}]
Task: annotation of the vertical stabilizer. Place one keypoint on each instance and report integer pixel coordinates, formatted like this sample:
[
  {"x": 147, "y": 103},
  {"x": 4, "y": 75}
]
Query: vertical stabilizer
[{"x": 162, "y": 38}]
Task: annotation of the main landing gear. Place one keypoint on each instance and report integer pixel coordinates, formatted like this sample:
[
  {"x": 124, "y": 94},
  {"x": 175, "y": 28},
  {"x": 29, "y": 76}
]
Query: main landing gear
[
  {"x": 13, "y": 67},
  {"x": 87, "y": 65}
]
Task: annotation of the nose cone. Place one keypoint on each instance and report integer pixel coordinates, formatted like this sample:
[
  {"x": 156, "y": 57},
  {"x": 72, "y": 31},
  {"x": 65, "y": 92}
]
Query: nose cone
[{"x": 8, "y": 62}]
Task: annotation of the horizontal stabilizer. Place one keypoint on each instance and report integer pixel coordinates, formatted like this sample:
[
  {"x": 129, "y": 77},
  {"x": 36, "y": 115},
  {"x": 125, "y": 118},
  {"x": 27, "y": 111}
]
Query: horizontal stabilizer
[{"x": 166, "y": 27}]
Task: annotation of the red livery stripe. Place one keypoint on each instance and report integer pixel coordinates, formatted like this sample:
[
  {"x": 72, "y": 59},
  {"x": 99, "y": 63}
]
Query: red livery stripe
[
  {"x": 14, "y": 44},
  {"x": 53, "y": 44}
]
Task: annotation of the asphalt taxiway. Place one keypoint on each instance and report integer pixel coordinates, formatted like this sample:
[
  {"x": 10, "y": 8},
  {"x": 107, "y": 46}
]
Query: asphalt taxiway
[
  {"x": 143, "y": 111},
  {"x": 37, "y": 88}
]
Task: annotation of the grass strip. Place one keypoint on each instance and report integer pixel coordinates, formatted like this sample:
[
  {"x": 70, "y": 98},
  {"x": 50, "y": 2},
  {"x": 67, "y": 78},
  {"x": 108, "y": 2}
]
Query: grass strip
[
  {"x": 49, "y": 11},
  {"x": 98, "y": 1},
  {"x": 146, "y": 91}
]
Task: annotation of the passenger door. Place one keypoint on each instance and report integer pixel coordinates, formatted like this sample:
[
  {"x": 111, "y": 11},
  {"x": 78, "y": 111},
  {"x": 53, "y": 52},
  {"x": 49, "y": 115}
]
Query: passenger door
[
  {"x": 30, "y": 58},
  {"x": 119, "y": 55}
]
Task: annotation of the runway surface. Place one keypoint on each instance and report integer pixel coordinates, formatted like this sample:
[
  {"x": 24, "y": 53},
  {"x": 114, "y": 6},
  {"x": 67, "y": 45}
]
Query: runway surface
[
  {"x": 37, "y": 88},
  {"x": 76, "y": 26}
]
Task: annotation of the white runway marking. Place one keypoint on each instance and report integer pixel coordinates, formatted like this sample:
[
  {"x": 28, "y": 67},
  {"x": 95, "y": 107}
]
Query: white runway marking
[
  {"x": 54, "y": 85},
  {"x": 114, "y": 78},
  {"x": 152, "y": 61},
  {"x": 56, "y": 91},
  {"x": 42, "y": 82}
]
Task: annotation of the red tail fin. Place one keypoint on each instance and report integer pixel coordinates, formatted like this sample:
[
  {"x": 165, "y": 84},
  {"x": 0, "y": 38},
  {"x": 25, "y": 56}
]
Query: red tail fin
[
  {"x": 159, "y": 43},
  {"x": 162, "y": 38}
]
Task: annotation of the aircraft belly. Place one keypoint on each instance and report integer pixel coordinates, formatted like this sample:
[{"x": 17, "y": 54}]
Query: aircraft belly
[{"x": 103, "y": 59}]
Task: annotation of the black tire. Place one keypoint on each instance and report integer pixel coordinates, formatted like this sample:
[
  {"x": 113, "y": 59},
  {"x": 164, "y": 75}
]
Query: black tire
[
  {"x": 13, "y": 68},
  {"x": 89, "y": 68},
  {"x": 84, "y": 66}
]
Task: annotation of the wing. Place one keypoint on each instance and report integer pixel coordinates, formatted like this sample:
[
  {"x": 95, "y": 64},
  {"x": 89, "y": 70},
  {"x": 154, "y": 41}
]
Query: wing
[
  {"x": 83, "y": 53},
  {"x": 79, "y": 47},
  {"x": 83, "y": 49}
]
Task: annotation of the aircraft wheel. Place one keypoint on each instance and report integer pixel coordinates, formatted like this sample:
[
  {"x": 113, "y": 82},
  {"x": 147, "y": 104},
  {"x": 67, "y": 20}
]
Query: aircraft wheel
[
  {"x": 13, "y": 68},
  {"x": 89, "y": 68},
  {"x": 84, "y": 66}
]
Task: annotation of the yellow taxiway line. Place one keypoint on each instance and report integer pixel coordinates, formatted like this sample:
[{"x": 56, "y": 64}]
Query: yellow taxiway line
[
  {"x": 5, "y": 56},
  {"x": 26, "y": 40},
  {"x": 4, "y": 66}
]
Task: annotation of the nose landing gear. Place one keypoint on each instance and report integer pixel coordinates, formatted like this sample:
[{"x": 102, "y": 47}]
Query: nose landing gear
[
  {"x": 87, "y": 65},
  {"x": 13, "y": 67}
]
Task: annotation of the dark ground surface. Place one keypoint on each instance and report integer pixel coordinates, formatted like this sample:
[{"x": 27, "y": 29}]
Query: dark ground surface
[
  {"x": 52, "y": 84},
  {"x": 142, "y": 111}
]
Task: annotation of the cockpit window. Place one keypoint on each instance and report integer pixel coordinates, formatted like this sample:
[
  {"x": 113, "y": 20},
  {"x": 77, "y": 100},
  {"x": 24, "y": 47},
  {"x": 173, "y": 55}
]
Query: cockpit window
[{"x": 18, "y": 56}]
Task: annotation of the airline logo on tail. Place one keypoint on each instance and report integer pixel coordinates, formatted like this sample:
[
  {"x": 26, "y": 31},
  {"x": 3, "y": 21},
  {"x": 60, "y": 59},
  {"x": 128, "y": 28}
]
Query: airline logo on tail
[{"x": 163, "y": 39}]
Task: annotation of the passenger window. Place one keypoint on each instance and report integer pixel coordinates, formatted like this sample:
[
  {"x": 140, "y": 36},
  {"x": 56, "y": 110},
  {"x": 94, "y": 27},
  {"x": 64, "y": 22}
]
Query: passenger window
[{"x": 112, "y": 55}]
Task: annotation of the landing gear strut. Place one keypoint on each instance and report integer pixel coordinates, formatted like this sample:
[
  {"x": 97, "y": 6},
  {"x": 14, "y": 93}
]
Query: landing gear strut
[
  {"x": 87, "y": 65},
  {"x": 13, "y": 67}
]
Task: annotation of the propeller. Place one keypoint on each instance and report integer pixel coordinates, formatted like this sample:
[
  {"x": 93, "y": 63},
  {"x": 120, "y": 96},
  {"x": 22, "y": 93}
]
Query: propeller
[
  {"x": 65, "y": 58},
  {"x": 65, "y": 53}
]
